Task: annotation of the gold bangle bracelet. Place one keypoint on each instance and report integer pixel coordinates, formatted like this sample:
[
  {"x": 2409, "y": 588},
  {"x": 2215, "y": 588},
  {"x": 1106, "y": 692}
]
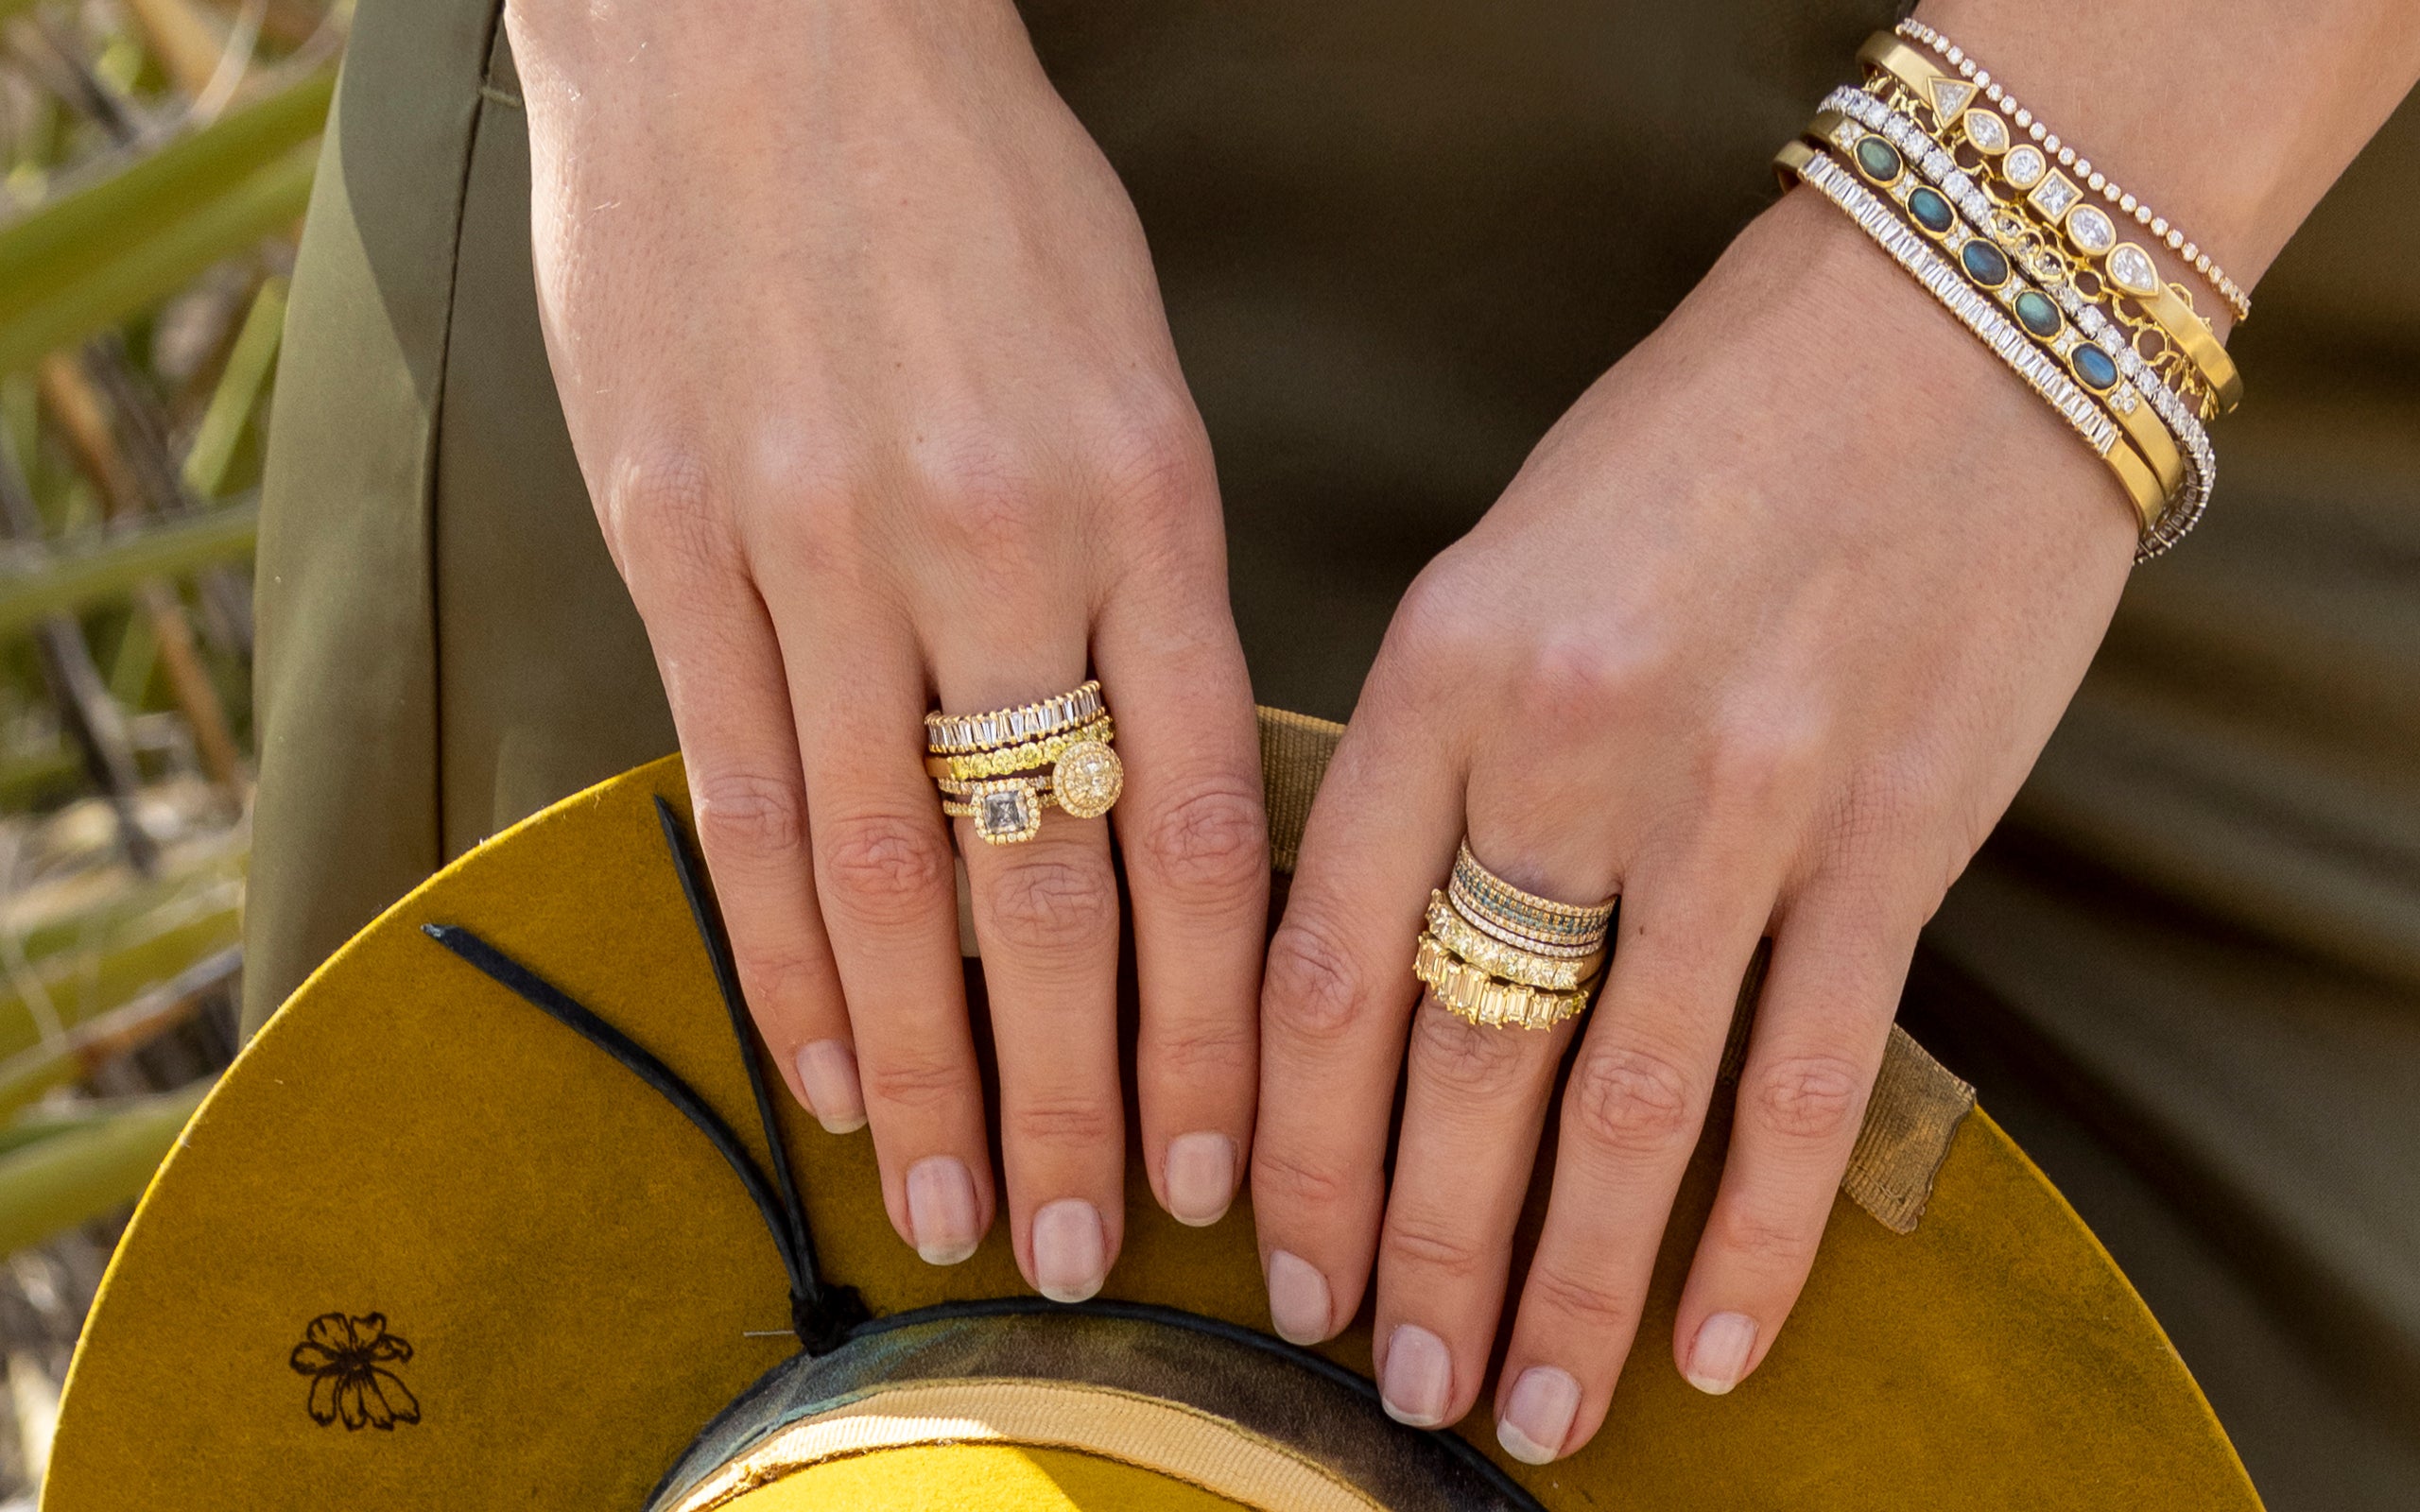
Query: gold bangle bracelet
[
  {"x": 2055, "y": 199},
  {"x": 1033, "y": 753},
  {"x": 1981, "y": 316},
  {"x": 1554, "y": 973},
  {"x": 1475, "y": 997},
  {"x": 2140, "y": 422}
]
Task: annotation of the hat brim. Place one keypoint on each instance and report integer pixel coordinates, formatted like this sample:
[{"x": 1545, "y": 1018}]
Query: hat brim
[{"x": 574, "y": 1283}]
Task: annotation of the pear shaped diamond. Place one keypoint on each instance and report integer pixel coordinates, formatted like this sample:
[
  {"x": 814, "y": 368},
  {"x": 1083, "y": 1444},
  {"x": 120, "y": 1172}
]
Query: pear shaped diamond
[{"x": 2132, "y": 270}]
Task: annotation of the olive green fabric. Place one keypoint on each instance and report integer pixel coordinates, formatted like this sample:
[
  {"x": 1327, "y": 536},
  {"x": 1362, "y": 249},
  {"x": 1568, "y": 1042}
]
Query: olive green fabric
[{"x": 1396, "y": 237}]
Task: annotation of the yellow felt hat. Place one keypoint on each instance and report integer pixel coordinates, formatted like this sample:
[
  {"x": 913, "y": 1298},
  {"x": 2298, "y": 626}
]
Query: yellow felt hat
[{"x": 427, "y": 1245}]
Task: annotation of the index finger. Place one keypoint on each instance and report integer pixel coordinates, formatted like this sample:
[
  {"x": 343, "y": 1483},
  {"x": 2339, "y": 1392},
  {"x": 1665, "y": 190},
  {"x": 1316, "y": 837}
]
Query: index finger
[{"x": 1335, "y": 1006}]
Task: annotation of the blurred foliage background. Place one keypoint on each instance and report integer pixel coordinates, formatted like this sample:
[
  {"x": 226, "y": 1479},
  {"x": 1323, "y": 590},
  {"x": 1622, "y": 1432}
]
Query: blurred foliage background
[{"x": 158, "y": 155}]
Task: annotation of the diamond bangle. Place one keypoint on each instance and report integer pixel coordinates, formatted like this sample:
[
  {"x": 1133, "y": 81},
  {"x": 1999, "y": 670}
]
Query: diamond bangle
[{"x": 2100, "y": 183}]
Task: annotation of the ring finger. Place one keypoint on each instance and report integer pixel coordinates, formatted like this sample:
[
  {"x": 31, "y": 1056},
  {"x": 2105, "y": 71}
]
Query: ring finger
[{"x": 1474, "y": 1106}]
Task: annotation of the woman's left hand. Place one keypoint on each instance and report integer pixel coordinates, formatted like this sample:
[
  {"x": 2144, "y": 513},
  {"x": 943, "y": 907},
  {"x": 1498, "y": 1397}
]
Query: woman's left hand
[{"x": 1763, "y": 639}]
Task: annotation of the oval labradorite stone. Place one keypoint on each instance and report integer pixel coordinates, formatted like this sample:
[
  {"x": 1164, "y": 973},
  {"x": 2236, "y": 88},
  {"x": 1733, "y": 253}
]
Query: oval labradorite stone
[
  {"x": 2095, "y": 367},
  {"x": 1985, "y": 263},
  {"x": 1877, "y": 159},
  {"x": 1930, "y": 210},
  {"x": 2039, "y": 314}
]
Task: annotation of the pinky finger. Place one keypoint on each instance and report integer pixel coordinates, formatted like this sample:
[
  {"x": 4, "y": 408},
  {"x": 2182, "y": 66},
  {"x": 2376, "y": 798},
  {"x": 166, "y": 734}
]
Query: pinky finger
[{"x": 1822, "y": 1025}]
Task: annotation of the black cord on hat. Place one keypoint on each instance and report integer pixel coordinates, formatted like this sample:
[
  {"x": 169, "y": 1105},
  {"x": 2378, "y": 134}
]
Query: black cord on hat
[{"x": 821, "y": 1313}]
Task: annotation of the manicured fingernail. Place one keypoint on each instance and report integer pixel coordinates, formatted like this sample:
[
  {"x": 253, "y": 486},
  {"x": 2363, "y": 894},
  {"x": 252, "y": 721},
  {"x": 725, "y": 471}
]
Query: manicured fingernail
[
  {"x": 942, "y": 1211},
  {"x": 1719, "y": 1356},
  {"x": 1298, "y": 1302},
  {"x": 1418, "y": 1378},
  {"x": 1070, "y": 1253},
  {"x": 1201, "y": 1177},
  {"x": 1537, "y": 1416},
  {"x": 828, "y": 1071}
]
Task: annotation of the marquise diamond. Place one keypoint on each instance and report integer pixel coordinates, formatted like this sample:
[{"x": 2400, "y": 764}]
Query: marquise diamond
[{"x": 1986, "y": 130}]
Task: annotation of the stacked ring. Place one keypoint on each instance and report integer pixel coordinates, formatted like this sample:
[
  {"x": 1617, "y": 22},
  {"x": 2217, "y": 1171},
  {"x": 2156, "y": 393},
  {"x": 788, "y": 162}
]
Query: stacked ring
[
  {"x": 1003, "y": 768},
  {"x": 1499, "y": 955}
]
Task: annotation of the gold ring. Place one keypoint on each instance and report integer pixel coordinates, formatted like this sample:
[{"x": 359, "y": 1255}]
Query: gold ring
[
  {"x": 1529, "y": 968},
  {"x": 1006, "y": 811},
  {"x": 948, "y": 734},
  {"x": 1476, "y": 997},
  {"x": 1011, "y": 759},
  {"x": 1523, "y": 919}
]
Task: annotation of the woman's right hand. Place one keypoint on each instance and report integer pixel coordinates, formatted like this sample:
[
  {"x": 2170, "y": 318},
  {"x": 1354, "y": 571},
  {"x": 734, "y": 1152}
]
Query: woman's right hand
[{"x": 864, "y": 361}]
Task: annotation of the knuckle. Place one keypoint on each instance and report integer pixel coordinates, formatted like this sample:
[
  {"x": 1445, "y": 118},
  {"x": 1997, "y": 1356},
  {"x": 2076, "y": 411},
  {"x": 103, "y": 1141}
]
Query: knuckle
[
  {"x": 662, "y": 509},
  {"x": 1209, "y": 849},
  {"x": 783, "y": 976},
  {"x": 1434, "y": 628},
  {"x": 1156, "y": 460},
  {"x": 1312, "y": 992},
  {"x": 1198, "y": 1051},
  {"x": 1467, "y": 1060},
  {"x": 1584, "y": 1300},
  {"x": 749, "y": 819},
  {"x": 914, "y": 1083},
  {"x": 1430, "y": 1244},
  {"x": 1065, "y": 1122},
  {"x": 1754, "y": 761},
  {"x": 987, "y": 498},
  {"x": 1762, "y": 1242},
  {"x": 1810, "y": 1099},
  {"x": 885, "y": 869},
  {"x": 1053, "y": 904},
  {"x": 1582, "y": 681},
  {"x": 1281, "y": 1178},
  {"x": 1631, "y": 1102}
]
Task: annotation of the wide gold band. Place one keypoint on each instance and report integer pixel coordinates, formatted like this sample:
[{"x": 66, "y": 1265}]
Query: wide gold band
[{"x": 1473, "y": 995}]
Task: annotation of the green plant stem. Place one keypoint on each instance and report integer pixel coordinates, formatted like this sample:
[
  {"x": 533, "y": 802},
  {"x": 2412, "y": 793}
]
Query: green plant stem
[
  {"x": 83, "y": 1173},
  {"x": 68, "y": 582}
]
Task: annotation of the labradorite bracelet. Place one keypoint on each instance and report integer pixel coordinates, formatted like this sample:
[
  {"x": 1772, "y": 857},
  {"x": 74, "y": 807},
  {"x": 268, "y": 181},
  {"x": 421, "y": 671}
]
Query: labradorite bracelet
[
  {"x": 1980, "y": 314},
  {"x": 2186, "y": 506}
]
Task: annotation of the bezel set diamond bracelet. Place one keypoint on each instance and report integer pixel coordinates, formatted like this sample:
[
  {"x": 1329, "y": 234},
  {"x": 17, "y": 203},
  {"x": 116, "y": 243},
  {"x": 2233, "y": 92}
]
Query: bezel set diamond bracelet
[
  {"x": 2033, "y": 271},
  {"x": 2174, "y": 237}
]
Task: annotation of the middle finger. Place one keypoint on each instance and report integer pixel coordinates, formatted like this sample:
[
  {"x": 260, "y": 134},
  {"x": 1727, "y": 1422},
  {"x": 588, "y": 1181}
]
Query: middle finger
[{"x": 1046, "y": 916}]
